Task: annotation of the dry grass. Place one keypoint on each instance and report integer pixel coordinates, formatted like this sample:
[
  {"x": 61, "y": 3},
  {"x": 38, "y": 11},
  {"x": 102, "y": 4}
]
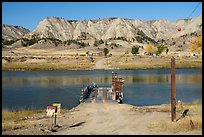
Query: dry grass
[
  {"x": 189, "y": 64},
  {"x": 18, "y": 115},
  {"x": 182, "y": 125},
  {"x": 46, "y": 66},
  {"x": 15, "y": 119},
  {"x": 68, "y": 62},
  {"x": 147, "y": 62}
]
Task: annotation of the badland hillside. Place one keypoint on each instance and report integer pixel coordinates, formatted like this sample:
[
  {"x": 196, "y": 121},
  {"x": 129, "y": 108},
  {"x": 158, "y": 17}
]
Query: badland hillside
[
  {"x": 109, "y": 32},
  {"x": 110, "y": 43}
]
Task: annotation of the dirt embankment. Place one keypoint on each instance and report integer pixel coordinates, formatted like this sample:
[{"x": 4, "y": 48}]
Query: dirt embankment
[{"x": 109, "y": 118}]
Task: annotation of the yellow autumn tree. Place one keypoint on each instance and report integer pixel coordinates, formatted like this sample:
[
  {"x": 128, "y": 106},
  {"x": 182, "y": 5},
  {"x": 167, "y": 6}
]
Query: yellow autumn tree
[
  {"x": 150, "y": 49},
  {"x": 196, "y": 45}
]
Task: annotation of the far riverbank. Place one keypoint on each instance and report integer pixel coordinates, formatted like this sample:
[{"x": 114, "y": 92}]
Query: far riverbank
[{"x": 85, "y": 63}]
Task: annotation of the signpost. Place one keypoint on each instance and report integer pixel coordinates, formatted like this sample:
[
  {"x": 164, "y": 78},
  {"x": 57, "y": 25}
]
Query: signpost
[
  {"x": 53, "y": 110},
  {"x": 58, "y": 108},
  {"x": 173, "y": 90}
]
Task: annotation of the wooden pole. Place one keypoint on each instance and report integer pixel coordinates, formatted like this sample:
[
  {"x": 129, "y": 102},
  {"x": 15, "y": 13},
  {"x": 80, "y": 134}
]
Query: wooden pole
[
  {"x": 55, "y": 121},
  {"x": 173, "y": 90},
  {"x": 114, "y": 79},
  {"x": 104, "y": 94}
]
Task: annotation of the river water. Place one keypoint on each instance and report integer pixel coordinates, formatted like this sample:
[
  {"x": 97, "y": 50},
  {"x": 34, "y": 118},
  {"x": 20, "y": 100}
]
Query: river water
[{"x": 38, "y": 89}]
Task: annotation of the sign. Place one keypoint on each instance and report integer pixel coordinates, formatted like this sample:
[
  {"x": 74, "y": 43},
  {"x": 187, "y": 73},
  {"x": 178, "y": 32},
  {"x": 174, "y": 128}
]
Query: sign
[
  {"x": 51, "y": 110},
  {"x": 58, "y": 108}
]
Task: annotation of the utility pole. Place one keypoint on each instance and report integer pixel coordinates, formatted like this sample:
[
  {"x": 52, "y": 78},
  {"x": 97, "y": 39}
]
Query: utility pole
[{"x": 173, "y": 90}]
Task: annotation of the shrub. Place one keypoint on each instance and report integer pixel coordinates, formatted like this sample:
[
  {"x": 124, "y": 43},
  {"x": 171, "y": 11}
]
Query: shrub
[
  {"x": 196, "y": 45},
  {"x": 135, "y": 50},
  {"x": 55, "y": 41},
  {"x": 27, "y": 42},
  {"x": 141, "y": 36},
  {"x": 9, "y": 42},
  {"x": 160, "y": 49},
  {"x": 98, "y": 42},
  {"x": 105, "y": 51},
  {"x": 150, "y": 49}
]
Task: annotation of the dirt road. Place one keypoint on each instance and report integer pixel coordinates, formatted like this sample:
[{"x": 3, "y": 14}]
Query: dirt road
[
  {"x": 101, "y": 64},
  {"x": 107, "y": 119},
  {"x": 102, "y": 118},
  {"x": 110, "y": 119}
]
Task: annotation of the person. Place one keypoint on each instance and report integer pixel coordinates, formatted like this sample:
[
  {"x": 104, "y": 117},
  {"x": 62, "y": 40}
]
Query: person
[{"x": 94, "y": 85}]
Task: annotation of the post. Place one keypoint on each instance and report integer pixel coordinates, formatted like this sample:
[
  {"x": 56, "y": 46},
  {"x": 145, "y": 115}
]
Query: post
[
  {"x": 54, "y": 120},
  {"x": 104, "y": 90},
  {"x": 173, "y": 90},
  {"x": 120, "y": 86},
  {"x": 95, "y": 90},
  {"x": 114, "y": 78}
]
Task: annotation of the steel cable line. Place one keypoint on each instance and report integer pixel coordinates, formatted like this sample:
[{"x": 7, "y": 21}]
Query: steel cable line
[
  {"x": 179, "y": 28},
  {"x": 194, "y": 10}
]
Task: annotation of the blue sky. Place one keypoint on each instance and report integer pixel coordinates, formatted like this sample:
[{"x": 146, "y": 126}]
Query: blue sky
[{"x": 29, "y": 14}]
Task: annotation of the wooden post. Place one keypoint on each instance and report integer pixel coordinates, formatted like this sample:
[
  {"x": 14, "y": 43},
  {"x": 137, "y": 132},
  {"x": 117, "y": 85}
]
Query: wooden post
[
  {"x": 173, "y": 90},
  {"x": 120, "y": 86},
  {"x": 55, "y": 117},
  {"x": 104, "y": 94},
  {"x": 95, "y": 93},
  {"x": 114, "y": 81}
]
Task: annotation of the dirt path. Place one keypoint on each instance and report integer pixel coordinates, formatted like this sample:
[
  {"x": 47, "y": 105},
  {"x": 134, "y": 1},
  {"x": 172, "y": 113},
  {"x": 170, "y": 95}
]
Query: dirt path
[
  {"x": 101, "y": 118},
  {"x": 100, "y": 64},
  {"x": 109, "y": 119}
]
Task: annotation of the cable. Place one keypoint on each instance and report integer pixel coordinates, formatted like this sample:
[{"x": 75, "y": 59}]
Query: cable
[
  {"x": 194, "y": 9},
  {"x": 179, "y": 28}
]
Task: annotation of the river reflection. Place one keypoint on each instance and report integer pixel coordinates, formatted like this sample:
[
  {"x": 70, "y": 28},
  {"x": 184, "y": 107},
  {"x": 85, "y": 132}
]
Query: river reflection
[
  {"x": 79, "y": 80},
  {"x": 142, "y": 87}
]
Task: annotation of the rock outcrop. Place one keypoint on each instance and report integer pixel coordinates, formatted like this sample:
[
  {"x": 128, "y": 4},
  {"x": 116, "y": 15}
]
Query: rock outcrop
[
  {"x": 104, "y": 29},
  {"x": 58, "y": 30},
  {"x": 10, "y": 32}
]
